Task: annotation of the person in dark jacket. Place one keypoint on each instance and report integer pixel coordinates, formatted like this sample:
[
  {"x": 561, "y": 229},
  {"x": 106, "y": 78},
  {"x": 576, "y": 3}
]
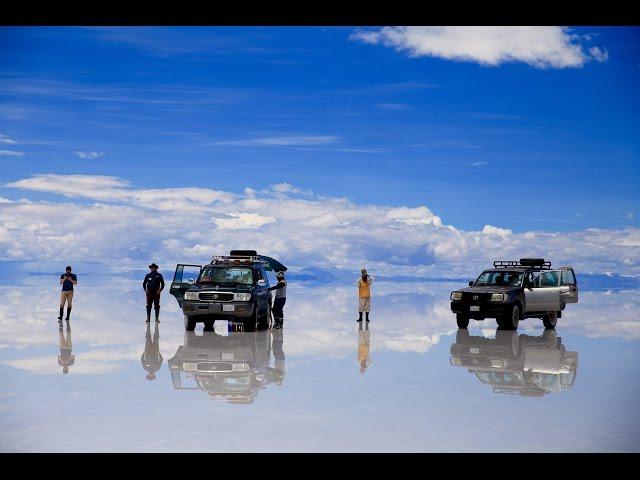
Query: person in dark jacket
[
  {"x": 280, "y": 300},
  {"x": 67, "y": 280},
  {"x": 153, "y": 285}
]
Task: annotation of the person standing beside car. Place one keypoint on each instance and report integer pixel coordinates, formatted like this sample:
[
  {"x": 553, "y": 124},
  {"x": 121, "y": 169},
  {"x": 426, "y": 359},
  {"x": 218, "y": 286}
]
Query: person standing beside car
[
  {"x": 67, "y": 280},
  {"x": 280, "y": 300},
  {"x": 364, "y": 294},
  {"x": 153, "y": 284}
]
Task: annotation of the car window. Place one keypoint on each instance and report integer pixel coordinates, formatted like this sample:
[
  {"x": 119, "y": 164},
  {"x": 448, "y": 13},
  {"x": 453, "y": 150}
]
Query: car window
[
  {"x": 216, "y": 274},
  {"x": 568, "y": 278},
  {"x": 499, "y": 278},
  {"x": 548, "y": 279}
]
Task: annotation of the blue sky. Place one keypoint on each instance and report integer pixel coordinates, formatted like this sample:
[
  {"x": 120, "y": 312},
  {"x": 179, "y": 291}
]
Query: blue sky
[{"x": 501, "y": 133}]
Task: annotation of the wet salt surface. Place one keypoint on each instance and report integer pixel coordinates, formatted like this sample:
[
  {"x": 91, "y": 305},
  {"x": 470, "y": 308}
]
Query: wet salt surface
[{"x": 423, "y": 386}]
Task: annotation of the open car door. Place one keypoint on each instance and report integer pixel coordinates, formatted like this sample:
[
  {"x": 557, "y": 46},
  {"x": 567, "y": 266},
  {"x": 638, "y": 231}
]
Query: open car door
[
  {"x": 184, "y": 276},
  {"x": 272, "y": 264}
]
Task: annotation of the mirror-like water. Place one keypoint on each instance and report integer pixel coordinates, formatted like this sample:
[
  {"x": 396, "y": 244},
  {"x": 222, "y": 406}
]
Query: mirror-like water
[{"x": 408, "y": 382}]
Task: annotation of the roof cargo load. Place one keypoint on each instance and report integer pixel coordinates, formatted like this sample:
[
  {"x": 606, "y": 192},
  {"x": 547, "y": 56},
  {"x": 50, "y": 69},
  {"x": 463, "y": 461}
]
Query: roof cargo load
[{"x": 243, "y": 253}]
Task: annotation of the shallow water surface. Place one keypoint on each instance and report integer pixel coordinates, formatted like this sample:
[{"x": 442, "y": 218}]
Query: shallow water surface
[{"x": 409, "y": 382}]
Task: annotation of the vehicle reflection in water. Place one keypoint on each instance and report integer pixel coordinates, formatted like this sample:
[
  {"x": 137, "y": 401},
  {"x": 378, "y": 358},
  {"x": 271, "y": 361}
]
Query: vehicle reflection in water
[
  {"x": 518, "y": 364},
  {"x": 232, "y": 367},
  {"x": 65, "y": 358},
  {"x": 364, "y": 341},
  {"x": 151, "y": 358}
]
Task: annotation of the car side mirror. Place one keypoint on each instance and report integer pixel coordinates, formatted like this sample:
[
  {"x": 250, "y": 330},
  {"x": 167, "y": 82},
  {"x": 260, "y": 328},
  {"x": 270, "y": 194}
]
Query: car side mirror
[
  {"x": 262, "y": 282},
  {"x": 471, "y": 283}
]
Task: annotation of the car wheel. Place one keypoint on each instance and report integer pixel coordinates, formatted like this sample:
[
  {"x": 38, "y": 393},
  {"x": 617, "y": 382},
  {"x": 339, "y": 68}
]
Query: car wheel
[
  {"x": 251, "y": 323},
  {"x": 550, "y": 320},
  {"x": 511, "y": 320},
  {"x": 189, "y": 323},
  {"x": 209, "y": 325},
  {"x": 462, "y": 320},
  {"x": 267, "y": 318}
]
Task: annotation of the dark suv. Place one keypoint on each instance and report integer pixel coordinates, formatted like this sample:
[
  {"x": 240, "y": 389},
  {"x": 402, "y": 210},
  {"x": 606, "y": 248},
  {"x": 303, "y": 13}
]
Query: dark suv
[
  {"x": 233, "y": 288},
  {"x": 515, "y": 290}
]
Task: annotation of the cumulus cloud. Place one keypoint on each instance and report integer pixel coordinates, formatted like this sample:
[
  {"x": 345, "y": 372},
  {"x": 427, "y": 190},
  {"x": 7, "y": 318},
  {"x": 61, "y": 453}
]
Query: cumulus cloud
[
  {"x": 90, "y": 155},
  {"x": 540, "y": 47},
  {"x": 491, "y": 230},
  {"x": 132, "y": 225}
]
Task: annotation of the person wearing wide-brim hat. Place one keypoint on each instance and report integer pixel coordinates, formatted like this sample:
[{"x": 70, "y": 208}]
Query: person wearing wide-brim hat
[{"x": 153, "y": 285}]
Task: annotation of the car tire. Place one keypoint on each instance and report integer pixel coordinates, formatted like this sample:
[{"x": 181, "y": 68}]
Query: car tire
[
  {"x": 189, "y": 323},
  {"x": 251, "y": 323},
  {"x": 511, "y": 319},
  {"x": 462, "y": 320},
  {"x": 550, "y": 320},
  {"x": 267, "y": 318}
]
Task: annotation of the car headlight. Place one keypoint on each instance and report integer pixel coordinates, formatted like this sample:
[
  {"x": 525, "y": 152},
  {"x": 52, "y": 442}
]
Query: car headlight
[
  {"x": 497, "y": 297},
  {"x": 456, "y": 295},
  {"x": 241, "y": 297},
  {"x": 191, "y": 296}
]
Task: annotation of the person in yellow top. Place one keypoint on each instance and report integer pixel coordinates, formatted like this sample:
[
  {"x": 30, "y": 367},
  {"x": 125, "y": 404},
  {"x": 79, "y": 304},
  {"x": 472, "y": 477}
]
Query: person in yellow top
[{"x": 364, "y": 293}]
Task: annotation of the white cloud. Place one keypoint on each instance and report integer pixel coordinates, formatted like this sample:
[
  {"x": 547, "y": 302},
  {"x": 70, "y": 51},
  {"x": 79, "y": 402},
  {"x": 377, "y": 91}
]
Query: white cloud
[
  {"x": 10, "y": 153},
  {"x": 90, "y": 155},
  {"x": 540, "y": 47},
  {"x": 282, "y": 141},
  {"x": 125, "y": 226},
  {"x": 491, "y": 230},
  {"x": 476, "y": 164},
  {"x": 6, "y": 139}
]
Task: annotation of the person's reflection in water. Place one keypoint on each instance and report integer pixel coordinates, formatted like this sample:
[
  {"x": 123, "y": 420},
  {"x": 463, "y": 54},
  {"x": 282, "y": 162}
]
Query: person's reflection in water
[
  {"x": 151, "y": 358},
  {"x": 66, "y": 358},
  {"x": 276, "y": 374},
  {"x": 364, "y": 340}
]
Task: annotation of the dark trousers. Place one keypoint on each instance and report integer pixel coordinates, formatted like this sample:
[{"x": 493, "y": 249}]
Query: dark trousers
[
  {"x": 278, "y": 305},
  {"x": 153, "y": 298}
]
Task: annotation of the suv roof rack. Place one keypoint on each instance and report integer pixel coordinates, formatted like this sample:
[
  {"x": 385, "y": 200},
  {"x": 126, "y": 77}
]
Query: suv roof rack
[
  {"x": 533, "y": 263},
  {"x": 248, "y": 259}
]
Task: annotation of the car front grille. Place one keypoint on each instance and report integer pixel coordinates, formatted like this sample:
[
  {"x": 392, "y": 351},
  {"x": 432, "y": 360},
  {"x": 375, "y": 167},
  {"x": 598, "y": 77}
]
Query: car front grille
[
  {"x": 216, "y": 296},
  {"x": 470, "y": 297}
]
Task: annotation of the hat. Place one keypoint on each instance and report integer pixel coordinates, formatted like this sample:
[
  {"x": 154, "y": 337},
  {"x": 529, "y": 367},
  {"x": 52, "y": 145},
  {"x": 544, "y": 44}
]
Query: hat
[
  {"x": 363, "y": 271},
  {"x": 153, "y": 265},
  {"x": 280, "y": 275}
]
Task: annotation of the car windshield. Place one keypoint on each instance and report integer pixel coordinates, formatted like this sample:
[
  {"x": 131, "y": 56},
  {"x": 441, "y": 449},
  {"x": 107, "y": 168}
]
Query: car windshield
[
  {"x": 500, "y": 278},
  {"x": 221, "y": 274}
]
